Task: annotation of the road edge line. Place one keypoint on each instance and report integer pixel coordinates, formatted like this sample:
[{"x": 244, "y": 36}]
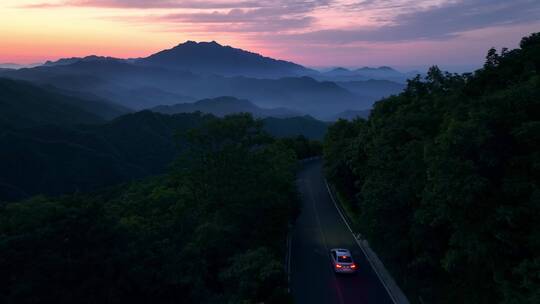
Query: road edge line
[
  {"x": 383, "y": 282},
  {"x": 288, "y": 260}
]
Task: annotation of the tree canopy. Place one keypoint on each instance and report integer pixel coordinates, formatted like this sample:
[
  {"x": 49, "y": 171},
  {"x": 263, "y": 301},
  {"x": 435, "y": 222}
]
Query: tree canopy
[
  {"x": 212, "y": 230},
  {"x": 446, "y": 180}
]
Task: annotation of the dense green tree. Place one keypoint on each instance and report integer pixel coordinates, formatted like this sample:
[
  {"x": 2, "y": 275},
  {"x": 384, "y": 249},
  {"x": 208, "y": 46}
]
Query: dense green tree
[
  {"x": 302, "y": 146},
  {"x": 212, "y": 230},
  {"x": 445, "y": 178}
]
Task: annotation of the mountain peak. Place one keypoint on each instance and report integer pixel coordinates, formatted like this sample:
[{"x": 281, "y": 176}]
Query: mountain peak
[
  {"x": 200, "y": 44},
  {"x": 214, "y": 58},
  {"x": 340, "y": 69},
  {"x": 72, "y": 60}
]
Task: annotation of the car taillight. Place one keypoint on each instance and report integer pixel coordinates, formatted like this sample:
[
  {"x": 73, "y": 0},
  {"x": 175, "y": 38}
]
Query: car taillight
[
  {"x": 353, "y": 266},
  {"x": 338, "y": 266}
]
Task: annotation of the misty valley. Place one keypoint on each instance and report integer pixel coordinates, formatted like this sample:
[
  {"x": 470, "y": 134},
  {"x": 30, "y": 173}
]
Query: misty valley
[{"x": 359, "y": 171}]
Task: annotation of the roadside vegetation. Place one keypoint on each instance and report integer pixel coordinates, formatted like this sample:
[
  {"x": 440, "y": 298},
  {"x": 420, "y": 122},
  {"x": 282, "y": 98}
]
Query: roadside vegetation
[
  {"x": 212, "y": 230},
  {"x": 445, "y": 179}
]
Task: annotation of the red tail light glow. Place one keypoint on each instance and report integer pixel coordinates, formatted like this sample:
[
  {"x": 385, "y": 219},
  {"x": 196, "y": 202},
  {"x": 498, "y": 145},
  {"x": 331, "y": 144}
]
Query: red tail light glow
[
  {"x": 353, "y": 266},
  {"x": 338, "y": 266}
]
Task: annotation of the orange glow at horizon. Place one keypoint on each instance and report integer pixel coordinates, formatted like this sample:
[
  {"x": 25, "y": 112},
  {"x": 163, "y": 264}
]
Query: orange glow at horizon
[
  {"x": 313, "y": 33},
  {"x": 35, "y": 35}
]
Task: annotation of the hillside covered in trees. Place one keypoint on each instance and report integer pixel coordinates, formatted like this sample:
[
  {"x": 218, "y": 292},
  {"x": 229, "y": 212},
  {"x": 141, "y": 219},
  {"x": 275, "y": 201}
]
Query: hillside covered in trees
[
  {"x": 211, "y": 230},
  {"x": 54, "y": 156},
  {"x": 444, "y": 180}
]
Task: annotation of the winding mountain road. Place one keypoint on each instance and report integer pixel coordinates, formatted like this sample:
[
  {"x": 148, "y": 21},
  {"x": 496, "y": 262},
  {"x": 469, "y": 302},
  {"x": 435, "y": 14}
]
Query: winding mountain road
[{"x": 318, "y": 229}]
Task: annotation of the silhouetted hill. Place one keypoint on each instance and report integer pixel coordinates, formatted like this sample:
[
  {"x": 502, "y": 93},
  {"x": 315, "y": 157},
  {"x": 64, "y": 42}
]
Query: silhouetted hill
[
  {"x": 366, "y": 73},
  {"x": 194, "y": 71},
  {"x": 92, "y": 58},
  {"x": 222, "y": 106},
  {"x": 372, "y": 90},
  {"x": 9, "y": 65},
  {"x": 294, "y": 126},
  {"x": 303, "y": 94},
  {"x": 351, "y": 115},
  {"x": 24, "y": 105},
  {"x": 134, "y": 87},
  {"x": 214, "y": 58},
  {"x": 140, "y": 87},
  {"x": 55, "y": 160}
]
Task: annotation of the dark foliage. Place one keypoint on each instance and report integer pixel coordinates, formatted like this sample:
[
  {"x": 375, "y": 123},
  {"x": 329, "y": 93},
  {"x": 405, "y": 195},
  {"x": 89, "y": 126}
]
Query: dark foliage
[
  {"x": 25, "y": 105},
  {"x": 302, "y": 146},
  {"x": 55, "y": 160},
  {"x": 225, "y": 105},
  {"x": 446, "y": 180},
  {"x": 293, "y": 126},
  {"x": 211, "y": 231}
]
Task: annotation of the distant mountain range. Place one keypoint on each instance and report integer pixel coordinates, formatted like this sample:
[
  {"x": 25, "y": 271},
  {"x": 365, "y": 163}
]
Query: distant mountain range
[
  {"x": 53, "y": 143},
  {"x": 72, "y": 60},
  {"x": 350, "y": 115},
  {"x": 280, "y": 122},
  {"x": 207, "y": 58},
  {"x": 53, "y": 159},
  {"x": 139, "y": 87},
  {"x": 372, "y": 89},
  {"x": 291, "y": 126},
  {"x": 225, "y": 105},
  {"x": 25, "y": 105},
  {"x": 341, "y": 74},
  {"x": 9, "y": 65},
  {"x": 214, "y": 58},
  {"x": 193, "y": 71}
]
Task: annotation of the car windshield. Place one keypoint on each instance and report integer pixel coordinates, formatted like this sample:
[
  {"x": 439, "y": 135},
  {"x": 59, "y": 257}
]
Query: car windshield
[{"x": 344, "y": 259}]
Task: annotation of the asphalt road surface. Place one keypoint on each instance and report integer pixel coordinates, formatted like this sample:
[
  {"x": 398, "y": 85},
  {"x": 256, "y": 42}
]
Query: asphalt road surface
[{"x": 318, "y": 229}]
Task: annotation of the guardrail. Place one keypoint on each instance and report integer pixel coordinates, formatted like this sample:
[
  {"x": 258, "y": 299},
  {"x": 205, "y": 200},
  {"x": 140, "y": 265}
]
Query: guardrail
[
  {"x": 288, "y": 259},
  {"x": 395, "y": 293}
]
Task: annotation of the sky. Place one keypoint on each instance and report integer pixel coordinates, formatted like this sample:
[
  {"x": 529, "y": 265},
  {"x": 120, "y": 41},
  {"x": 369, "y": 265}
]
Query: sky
[{"x": 407, "y": 34}]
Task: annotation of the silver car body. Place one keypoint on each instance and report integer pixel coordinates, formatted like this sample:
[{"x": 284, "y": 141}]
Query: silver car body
[{"x": 342, "y": 261}]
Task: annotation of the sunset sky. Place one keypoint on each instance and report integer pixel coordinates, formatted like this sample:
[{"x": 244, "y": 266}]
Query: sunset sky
[{"x": 402, "y": 33}]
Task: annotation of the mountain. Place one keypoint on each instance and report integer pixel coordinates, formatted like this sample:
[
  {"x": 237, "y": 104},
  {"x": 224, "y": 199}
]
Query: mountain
[
  {"x": 24, "y": 105},
  {"x": 351, "y": 115},
  {"x": 293, "y": 126},
  {"x": 92, "y": 58},
  {"x": 56, "y": 159},
  {"x": 209, "y": 58},
  {"x": 132, "y": 86},
  {"x": 339, "y": 71},
  {"x": 341, "y": 74},
  {"x": 15, "y": 66},
  {"x": 302, "y": 94},
  {"x": 372, "y": 90},
  {"x": 214, "y": 58},
  {"x": 138, "y": 87},
  {"x": 194, "y": 71},
  {"x": 8, "y": 65},
  {"x": 222, "y": 106}
]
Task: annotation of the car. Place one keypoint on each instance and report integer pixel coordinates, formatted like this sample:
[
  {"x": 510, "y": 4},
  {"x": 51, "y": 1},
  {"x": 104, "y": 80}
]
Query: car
[{"x": 342, "y": 261}]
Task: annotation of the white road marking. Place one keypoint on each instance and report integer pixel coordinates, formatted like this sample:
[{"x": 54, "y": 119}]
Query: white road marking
[
  {"x": 340, "y": 297},
  {"x": 358, "y": 243}
]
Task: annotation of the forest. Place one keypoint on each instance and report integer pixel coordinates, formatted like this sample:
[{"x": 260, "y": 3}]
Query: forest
[
  {"x": 444, "y": 180},
  {"x": 211, "y": 230}
]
